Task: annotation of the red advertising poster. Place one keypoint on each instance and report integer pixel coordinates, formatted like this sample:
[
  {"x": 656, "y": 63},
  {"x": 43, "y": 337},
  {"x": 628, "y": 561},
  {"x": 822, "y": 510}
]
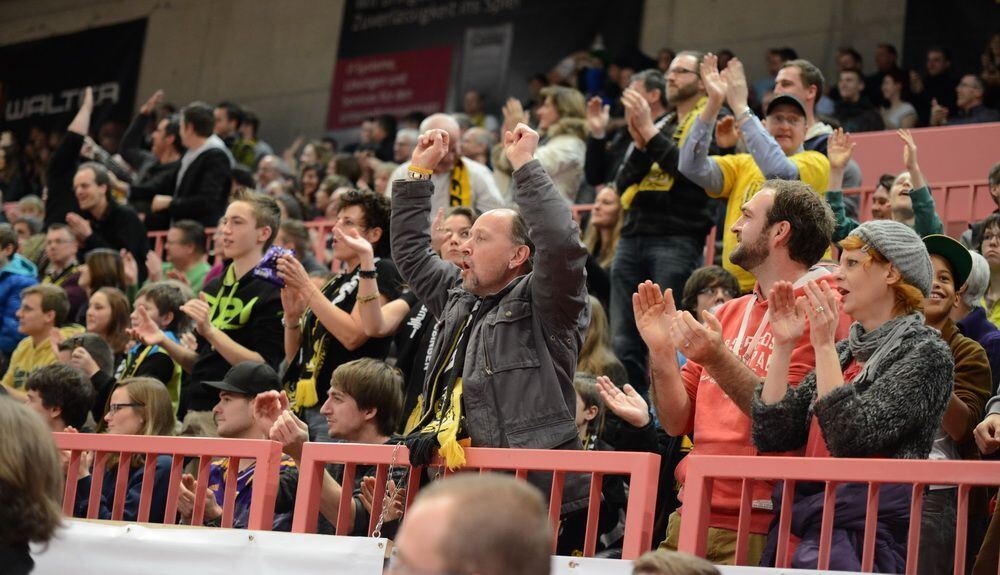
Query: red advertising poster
[{"x": 395, "y": 83}]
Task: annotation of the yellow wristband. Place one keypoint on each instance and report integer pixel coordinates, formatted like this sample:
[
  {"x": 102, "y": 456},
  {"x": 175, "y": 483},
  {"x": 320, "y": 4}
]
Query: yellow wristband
[
  {"x": 367, "y": 298},
  {"x": 419, "y": 170}
]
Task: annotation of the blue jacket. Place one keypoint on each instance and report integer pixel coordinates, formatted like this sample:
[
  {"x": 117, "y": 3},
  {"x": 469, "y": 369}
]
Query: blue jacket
[
  {"x": 18, "y": 274},
  {"x": 158, "y": 503}
]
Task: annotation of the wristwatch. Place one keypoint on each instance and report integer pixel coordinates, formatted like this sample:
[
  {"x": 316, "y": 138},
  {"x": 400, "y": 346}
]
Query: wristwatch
[
  {"x": 743, "y": 115},
  {"x": 412, "y": 175}
]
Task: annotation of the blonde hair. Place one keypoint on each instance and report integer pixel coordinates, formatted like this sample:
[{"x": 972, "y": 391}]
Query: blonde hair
[
  {"x": 572, "y": 108},
  {"x": 154, "y": 407},
  {"x": 909, "y": 298},
  {"x": 592, "y": 237},
  {"x": 31, "y": 471},
  {"x": 596, "y": 354}
]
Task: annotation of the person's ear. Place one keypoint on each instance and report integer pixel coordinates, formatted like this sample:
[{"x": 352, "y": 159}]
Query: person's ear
[
  {"x": 591, "y": 413},
  {"x": 263, "y": 234},
  {"x": 371, "y": 413},
  {"x": 781, "y": 232},
  {"x": 373, "y": 235},
  {"x": 167, "y": 318},
  {"x": 522, "y": 254}
]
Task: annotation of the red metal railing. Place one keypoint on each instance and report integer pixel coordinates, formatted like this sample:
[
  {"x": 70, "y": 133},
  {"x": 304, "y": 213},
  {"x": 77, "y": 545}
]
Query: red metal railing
[
  {"x": 642, "y": 468},
  {"x": 266, "y": 456},
  {"x": 703, "y": 470}
]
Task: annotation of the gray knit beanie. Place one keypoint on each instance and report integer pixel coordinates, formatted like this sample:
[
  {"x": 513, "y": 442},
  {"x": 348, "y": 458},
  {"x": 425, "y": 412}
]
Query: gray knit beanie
[{"x": 902, "y": 247}]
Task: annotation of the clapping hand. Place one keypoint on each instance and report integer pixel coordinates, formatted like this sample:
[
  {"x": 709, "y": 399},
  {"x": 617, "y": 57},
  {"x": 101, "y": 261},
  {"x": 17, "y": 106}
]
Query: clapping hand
[
  {"x": 839, "y": 149},
  {"x": 737, "y": 91},
  {"x": 788, "y": 315},
  {"x": 198, "y": 310},
  {"x": 598, "y": 117},
  {"x": 727, "y": 133},
  {"x": 823, "y": 308},
  {"x": 715, "y": 85},
  {"x": 626, "y": 403},
  {"x": 145, "y": 329},
  {"x": 654, "y": 311},
  {"x": 395, "y": 510},
  {"x": 987, "y": 434},
  {"x": 291, "y": 432},
  {"x": 698, "y": 342}
]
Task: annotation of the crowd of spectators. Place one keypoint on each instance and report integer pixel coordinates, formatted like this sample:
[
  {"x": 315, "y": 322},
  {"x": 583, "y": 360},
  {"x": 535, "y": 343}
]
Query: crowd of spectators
[{"x": 467, "y": 306}]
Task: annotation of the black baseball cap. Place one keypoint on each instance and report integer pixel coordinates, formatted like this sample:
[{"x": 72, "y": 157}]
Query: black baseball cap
[
  {"x": 957, "y": 256},
  {"x": 248, "y": 378},
  {"x": 785, "y": 99}
]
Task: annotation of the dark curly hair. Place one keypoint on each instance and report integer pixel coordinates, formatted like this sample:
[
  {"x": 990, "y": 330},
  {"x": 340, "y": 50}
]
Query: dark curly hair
[
  {"x": 63, "y": 386},
  {"x": 376, "y": 209}
]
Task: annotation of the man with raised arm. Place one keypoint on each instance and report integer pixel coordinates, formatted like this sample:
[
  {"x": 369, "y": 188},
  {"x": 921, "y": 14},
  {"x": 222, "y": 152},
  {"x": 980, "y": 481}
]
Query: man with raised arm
[{"x": 514, "y": 313}]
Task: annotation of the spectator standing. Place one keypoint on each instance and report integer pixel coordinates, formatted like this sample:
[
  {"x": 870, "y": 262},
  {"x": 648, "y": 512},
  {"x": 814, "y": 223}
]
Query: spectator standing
[
  {"x": 775, "y": 152},
  {"x": 228, "y": 118},
  {"x": 936, "y": 84},
  {"x": 105, "y": 223},
  {"x": 665, "y": 214},
  {"x": 204, "y": 177}
]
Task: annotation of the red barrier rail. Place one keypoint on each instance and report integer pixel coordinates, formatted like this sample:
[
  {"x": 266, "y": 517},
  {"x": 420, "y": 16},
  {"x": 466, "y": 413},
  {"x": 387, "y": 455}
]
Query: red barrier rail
[
  {"x": 703, "y": 470},
  {"x": 957, "y": 203},
  {"x": 266, "y": 455},
  {"x": 642, "y": 468}
]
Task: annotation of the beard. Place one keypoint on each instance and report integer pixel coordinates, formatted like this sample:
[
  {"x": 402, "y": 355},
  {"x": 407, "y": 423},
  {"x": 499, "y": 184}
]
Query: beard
[
  {"x": 750, "y": 255},
  {"x": 682, "y": 93}
]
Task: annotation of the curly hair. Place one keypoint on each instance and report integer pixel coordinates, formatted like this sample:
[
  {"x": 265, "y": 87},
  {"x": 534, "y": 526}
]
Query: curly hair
[{"x": 376, "y": 209}]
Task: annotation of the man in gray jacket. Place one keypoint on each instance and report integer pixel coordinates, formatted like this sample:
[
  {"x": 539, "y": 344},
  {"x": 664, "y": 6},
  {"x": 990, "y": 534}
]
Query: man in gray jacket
[{"x": 514, "y": 314}]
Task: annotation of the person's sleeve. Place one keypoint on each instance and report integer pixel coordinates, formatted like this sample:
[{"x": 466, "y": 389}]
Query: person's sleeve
[
  {"x": 690, "y": 376},
  {"x": 993, "y": 406},
  {"x": 562, "y": 154},
  {"x": 910, "y": 394},
  {"x": 694, "y": 161},
  {"x": 843, "y": 225},
  {"x": 269, "y": 340},
  {"x": 973, "y": 383},
  {"x": 634, "y": 168},
  {"x": 390, "y": 284},
  {"x": 813, "y": 169},
  {"x": 559, "y": 277},
  {"x": 213, "y": 190},
  {"x": 9, "y": 337},
  {"x": 595, "y": 167},
  {"x": 782, "y": 426},
  {"x": 637, "y": 439},
  {"x": 766, "y": 151},
  {"x": 484, "y": 187},
  {"x": 428, "y": 276},
  {"x": 132, "y": 146},
  {"x": 60, "y": 199},
  {"x": 925, "y": 218},
  {"x": 662, "y": 150},
  {"x": 162, "y": 183},
  {"x": 598, "y": 279},
  {"x": 159, "y": 366}
]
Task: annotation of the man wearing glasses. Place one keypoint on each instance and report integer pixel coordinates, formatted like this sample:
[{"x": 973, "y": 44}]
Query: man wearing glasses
[
  {"x": 666, "y": 215},
  {"x": 63, "y": 268},
  {"x": 775, "y": 147}
]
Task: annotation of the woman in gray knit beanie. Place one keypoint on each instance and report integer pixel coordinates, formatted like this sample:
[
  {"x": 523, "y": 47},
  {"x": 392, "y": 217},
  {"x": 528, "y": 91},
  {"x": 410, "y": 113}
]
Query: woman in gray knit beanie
[{"x": 882, "y": 392}]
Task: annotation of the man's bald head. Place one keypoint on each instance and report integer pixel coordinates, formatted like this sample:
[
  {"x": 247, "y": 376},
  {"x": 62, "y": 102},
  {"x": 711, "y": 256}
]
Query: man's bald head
[
  {"x": 448, "y": 124},
  {"x": 489, "y": 524}
]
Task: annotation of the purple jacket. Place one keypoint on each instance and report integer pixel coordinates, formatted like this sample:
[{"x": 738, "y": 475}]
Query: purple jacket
[
  {"x": 848, "y": 527},
  {"x": 978, "y": 327}
]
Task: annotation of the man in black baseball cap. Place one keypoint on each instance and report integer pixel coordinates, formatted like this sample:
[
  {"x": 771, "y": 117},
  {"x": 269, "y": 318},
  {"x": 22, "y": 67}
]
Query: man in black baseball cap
[{"x": 235, "y": 417}]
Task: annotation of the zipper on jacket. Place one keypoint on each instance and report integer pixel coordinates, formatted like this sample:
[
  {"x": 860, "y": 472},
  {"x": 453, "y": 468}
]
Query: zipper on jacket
[{"x": 486, "y": 353}]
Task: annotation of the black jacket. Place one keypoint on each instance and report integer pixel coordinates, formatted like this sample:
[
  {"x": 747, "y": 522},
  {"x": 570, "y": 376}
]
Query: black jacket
[
  {"x": 119, "y": 228},
  {"x": 60, "y": 199},
  {"x": 204, "y": 190}
]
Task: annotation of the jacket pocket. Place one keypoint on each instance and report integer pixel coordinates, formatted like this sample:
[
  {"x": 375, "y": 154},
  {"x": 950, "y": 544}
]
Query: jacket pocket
[
  {"x": 509, "y": 339},
  {"x": 557, "y": 431}
]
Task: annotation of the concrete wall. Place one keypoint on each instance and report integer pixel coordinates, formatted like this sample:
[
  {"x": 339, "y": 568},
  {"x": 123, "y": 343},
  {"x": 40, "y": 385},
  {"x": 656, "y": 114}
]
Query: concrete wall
[
  {"x": 814, "y": 29},
  {"x": 276, "y": 57}
]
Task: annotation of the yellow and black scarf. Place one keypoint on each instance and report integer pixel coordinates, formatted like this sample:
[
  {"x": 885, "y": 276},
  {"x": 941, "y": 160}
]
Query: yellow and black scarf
[
  {"x": 460, "y": 192},
  {"x": 657, "y": 179}
]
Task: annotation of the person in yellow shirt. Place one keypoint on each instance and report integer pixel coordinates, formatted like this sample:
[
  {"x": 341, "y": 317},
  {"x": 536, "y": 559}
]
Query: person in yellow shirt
[
  {"x": 774, "y": 145},
  {"x": 43, "y": 308}
]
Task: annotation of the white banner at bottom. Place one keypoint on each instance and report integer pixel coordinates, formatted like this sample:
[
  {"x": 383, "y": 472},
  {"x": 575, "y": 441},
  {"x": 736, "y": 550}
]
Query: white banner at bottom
[{"x": 127, "y": 549}]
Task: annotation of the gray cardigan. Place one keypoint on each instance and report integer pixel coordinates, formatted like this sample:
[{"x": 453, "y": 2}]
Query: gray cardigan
[
  {"x": 894, "y": 414},
  {"x": 517, "y": 382}
]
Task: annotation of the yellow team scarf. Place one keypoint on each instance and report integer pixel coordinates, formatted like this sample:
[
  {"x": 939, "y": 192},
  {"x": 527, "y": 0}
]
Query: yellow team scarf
[
  {"x": 460, "y": 192},
  {"x": 446, "y": 421},
  {"x": 657, "y": 179}
]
